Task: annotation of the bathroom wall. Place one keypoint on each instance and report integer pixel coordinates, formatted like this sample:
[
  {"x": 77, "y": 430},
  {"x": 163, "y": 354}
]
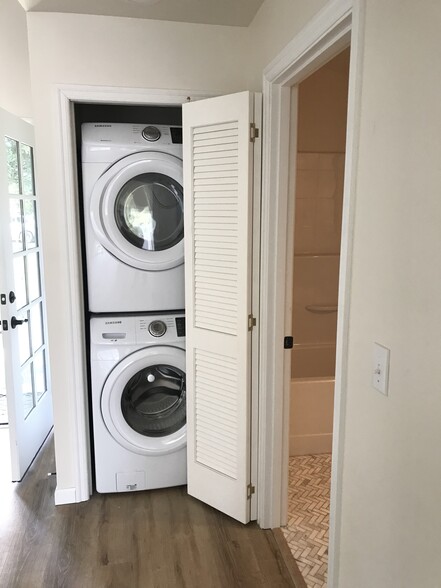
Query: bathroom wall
[
  {"x": 317, "y": 236},
  {"x": 318, "y": 211},
  {"x": 311, "y": 415}
]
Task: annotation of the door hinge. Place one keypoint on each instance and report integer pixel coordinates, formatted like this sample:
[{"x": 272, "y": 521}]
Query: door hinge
[
  {"x": 254, "y": 132},
  {"x": 251, "y": 322},
  {"x": 2, "y": 299},
  {"x": 250, "y": 491}
]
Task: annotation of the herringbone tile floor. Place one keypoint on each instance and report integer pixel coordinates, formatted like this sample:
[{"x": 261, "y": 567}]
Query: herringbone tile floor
[{"x": 308, "y": 515}]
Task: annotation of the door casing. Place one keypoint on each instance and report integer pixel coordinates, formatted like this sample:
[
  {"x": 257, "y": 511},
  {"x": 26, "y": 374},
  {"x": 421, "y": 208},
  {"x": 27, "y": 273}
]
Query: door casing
[
  {"x": 339, "y": 24},
  {"x": 68, "y": 95}
]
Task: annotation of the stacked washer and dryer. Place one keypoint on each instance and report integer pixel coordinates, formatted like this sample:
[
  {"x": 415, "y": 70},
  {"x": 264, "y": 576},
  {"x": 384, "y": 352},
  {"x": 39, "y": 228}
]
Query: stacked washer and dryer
[{"x": 134, "y": 231}]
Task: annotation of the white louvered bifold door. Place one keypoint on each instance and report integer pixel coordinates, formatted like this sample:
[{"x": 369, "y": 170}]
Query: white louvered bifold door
[{"x": 218, "y": 172}]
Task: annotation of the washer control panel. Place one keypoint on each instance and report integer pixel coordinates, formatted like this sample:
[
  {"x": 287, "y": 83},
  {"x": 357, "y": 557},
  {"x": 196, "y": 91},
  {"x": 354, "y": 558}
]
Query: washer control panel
[
  {"x": 136, "y": 329},
  {"x": 157, "y": 328}
]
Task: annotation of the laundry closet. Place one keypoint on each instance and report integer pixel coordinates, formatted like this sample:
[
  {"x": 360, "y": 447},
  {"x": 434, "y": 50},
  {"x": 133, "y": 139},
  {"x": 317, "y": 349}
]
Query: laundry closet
[
  {"x": 131, "y": 209},
  {"x": 148, "y": 429}
]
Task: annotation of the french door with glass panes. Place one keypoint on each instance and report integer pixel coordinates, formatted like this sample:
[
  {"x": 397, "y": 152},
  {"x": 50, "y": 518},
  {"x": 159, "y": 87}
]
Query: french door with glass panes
[{"x": 24, "y": 339}]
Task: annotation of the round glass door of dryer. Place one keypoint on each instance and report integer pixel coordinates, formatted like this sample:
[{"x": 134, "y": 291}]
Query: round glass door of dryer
[
  {"x": 143, "y": 401},
  {"x": 153, "y": 401},
  {"x": 137, "y": 210},
  {"x": 149, "y": 212}
]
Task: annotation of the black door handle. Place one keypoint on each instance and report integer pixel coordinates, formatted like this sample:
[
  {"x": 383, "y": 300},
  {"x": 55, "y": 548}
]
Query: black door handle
[{"x": 15, "y": 322}]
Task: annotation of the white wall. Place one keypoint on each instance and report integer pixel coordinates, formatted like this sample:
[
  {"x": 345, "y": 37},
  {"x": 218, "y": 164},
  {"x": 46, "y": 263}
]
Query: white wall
[
  {"x": 15, "y": 84},
  {"x": 273, "y": 27},
  {"x": 391, "y": 519},
  {"x": 85, "y": 49},
  {"x": 76, "y": 49}
]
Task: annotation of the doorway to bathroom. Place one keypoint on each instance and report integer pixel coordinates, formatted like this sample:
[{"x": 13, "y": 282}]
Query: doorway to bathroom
[{"x": 316, "y": 184}]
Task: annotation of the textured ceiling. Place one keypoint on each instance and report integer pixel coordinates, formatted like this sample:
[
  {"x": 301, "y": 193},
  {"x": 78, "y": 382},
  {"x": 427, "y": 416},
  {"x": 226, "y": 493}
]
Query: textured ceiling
[{"x": 221, "y": 12}]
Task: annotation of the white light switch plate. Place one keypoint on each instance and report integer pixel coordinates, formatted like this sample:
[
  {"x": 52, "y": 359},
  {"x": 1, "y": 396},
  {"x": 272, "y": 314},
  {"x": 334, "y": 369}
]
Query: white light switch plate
[{"x": 380, "y": 376}]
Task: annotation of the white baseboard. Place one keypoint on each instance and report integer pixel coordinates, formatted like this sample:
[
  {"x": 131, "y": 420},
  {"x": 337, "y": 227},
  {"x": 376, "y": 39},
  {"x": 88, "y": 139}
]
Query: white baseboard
[
  {"x": 65, "y": 496},
  {"x": 310, "y": 444}
]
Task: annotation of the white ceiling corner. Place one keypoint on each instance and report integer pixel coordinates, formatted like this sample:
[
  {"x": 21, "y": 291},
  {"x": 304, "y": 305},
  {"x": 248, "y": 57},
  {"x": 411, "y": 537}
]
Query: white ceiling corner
[
  {"x": 217, "y": 12},
  {"x": 28, "y": 4}
]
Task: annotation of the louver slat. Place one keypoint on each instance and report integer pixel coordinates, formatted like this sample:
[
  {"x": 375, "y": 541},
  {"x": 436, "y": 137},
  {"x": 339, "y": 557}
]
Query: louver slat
[
  {"x": 200, "y": 131},
  {"x": 218, "y": 162},
  {"x": 216, "y": 139}
]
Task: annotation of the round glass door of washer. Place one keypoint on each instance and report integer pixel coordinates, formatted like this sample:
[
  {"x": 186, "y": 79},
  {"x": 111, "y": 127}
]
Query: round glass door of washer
[
  {"x": 153, "y": 400},
  {"x": 143, "y": 402},
  {"x": 137, "y": 210}
]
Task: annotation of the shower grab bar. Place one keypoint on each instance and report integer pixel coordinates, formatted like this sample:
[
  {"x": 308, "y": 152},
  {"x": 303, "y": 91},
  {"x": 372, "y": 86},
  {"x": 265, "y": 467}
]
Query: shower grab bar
[{"x": 321, "y": 308}]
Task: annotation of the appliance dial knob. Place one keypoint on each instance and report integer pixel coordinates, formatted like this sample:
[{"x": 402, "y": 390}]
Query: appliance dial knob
[
  {"x": 157, "y": 328},
  {"x": 151, "y": 134}
]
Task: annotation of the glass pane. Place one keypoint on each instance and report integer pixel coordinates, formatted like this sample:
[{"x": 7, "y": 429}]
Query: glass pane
[
  {"x": 149, "y": 212},
  {"x": 36, "y": 327},
  {"x": 153, "y": 401},
  {"x": 40, "y": 374},
  {"x": 30, "y": 222},
  {"x": 20, "y": 282},
  {"x": 24, "y": 348},
  {"x": 27, "y": 169},
  {"x": 33, "y": 276},
  {"x": 26, "y": 390},
  {"x": 16, "y": 224},
  {"x": 12, "y": 165}
]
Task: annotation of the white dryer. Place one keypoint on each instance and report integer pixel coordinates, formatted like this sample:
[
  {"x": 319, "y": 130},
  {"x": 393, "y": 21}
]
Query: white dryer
[
  {"x": 138, "y": 401},
  {"x": 133, "y": 217}
]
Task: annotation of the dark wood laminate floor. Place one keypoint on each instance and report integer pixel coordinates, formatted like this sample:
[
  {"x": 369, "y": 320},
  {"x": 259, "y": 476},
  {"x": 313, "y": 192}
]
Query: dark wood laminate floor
[{"x": 157, "y": 539}]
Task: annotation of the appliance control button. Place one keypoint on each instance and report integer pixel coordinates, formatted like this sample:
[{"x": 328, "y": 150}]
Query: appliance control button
[
  {"x": 151, "y": 133},
  {"x": 157, "y": 328}
]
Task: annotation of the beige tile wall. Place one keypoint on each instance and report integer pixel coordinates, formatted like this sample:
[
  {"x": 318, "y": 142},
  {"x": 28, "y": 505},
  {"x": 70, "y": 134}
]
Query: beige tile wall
[{"x": 319, "y": 199}]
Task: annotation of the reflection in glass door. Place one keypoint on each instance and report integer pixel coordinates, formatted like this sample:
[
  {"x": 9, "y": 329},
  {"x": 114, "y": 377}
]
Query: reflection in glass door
[{"x": 27, "y": 273}]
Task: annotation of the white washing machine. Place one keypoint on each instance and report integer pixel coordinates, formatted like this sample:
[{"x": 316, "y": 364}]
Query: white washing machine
[
  {"x": 138, "y": 401},
  {"x": 133, "y": 217}
]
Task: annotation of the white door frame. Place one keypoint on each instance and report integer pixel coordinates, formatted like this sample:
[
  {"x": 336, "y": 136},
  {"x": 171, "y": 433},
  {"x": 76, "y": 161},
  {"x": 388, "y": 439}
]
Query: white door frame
[
  {"x": 337, "y": 25},
  {"x": 78, "y": 404}
]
